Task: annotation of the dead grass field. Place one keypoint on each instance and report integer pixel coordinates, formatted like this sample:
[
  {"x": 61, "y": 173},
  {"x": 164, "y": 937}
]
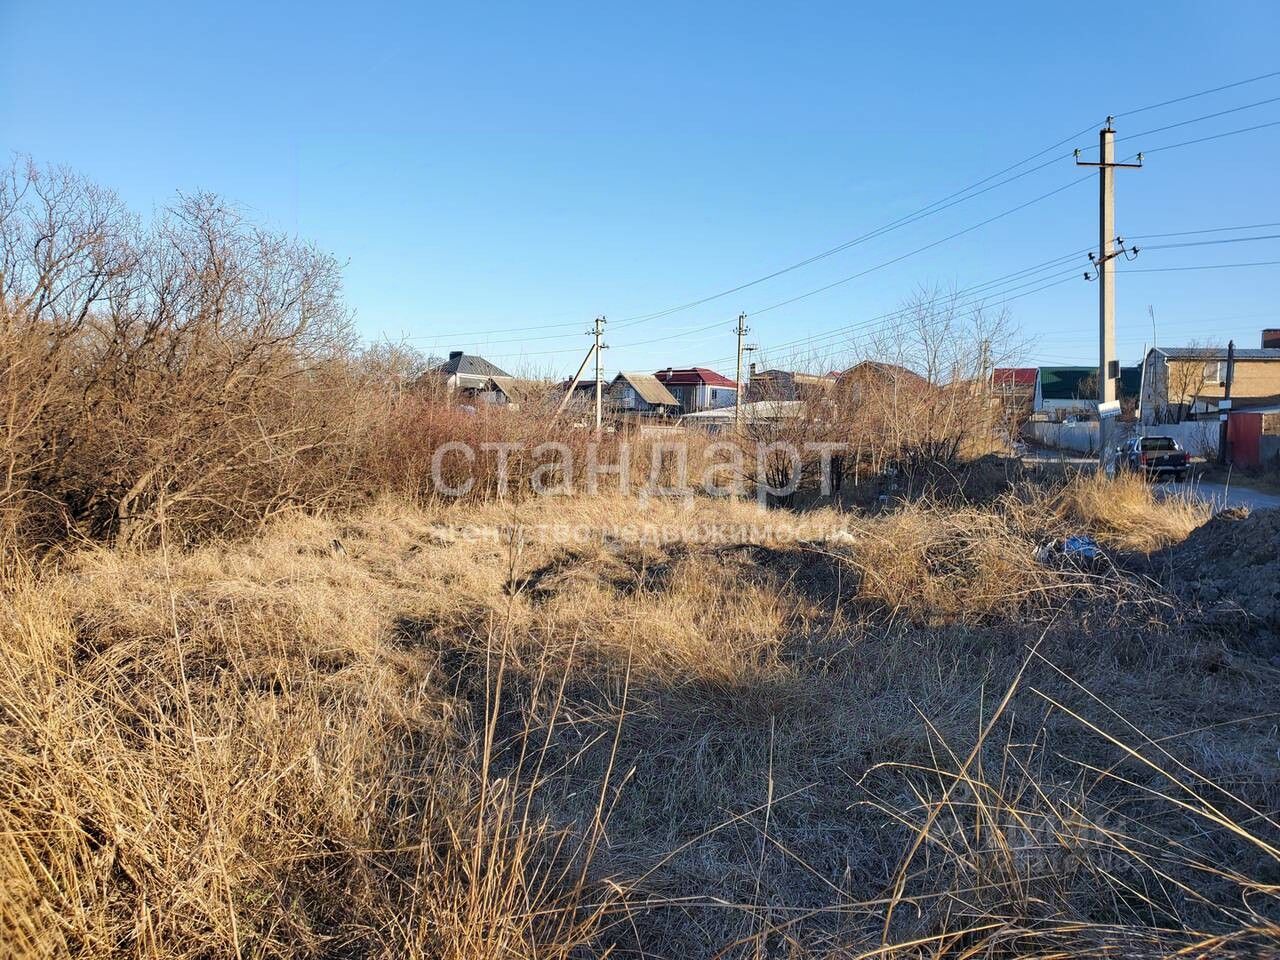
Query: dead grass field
[{"x": 697, "y": 730}]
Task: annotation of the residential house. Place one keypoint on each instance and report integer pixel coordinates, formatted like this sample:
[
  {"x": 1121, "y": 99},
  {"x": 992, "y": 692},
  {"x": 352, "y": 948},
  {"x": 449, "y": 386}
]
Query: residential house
[
  {"x": 584, "y": 393},
  {"x": 698, "y": 388},
  {"x": 503, "y": 391},
  {"x": 1063, "y": 392},
  {"x": 1013, "y": 388},
  {"x": 466, "y": 374},
  {"x": 874, "y": 378},
  {"x": 754, "y": 413},
  {"x": 641, "y": 393},
  {"x": 1185, "y": 383},
  {"x": 788, "y": 385}
]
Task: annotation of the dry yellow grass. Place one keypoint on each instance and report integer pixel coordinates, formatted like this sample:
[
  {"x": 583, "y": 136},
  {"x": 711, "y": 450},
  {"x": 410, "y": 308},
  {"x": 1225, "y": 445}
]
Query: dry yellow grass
[
  {"x": 697, "y": 728},
  {"x": 1130, "y": 512}
]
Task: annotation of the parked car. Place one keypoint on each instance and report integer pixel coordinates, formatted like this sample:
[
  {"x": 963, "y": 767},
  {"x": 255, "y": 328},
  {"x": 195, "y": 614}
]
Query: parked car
[{"x": 1154, "y": 457}]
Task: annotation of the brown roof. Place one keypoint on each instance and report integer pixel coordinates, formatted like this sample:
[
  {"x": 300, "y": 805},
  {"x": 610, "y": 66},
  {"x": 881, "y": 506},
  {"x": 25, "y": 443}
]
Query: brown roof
[
  {"x": 649, "y": 388},
  {"x": 891, "y": 372},
  {"x": 509, "y": 386}
]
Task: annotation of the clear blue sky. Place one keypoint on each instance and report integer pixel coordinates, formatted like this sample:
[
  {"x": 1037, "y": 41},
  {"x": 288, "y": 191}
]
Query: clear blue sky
[{"x": 526, "y": 165}]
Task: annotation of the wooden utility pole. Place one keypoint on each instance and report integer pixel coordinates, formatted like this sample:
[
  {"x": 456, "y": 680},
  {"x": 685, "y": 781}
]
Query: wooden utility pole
[
  {"x": 599, "y": 332},
  {"x": 737, "y": 394},
  {"x": 1104, "y": 264}
]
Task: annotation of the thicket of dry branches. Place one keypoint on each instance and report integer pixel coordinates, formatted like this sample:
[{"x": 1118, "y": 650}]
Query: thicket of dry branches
[
  {"x": 198, "y": 374},
  {"x": 194, "y": 369}
]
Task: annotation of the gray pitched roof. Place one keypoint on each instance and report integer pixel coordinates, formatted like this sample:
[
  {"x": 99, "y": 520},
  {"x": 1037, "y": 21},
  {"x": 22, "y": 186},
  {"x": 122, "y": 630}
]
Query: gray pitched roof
[
  {"x": 1219, "y": 353},
  {"x": 469, "y": 365}
]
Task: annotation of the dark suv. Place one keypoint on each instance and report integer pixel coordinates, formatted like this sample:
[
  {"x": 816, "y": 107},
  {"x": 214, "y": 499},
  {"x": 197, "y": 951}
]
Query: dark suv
[{"x": 1154, "y": 456}]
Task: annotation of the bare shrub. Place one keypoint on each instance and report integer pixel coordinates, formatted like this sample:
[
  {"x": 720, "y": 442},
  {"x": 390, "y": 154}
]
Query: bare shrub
[
  {"x": 194, "y": 372},
  {"x": 921, "y": 399}
]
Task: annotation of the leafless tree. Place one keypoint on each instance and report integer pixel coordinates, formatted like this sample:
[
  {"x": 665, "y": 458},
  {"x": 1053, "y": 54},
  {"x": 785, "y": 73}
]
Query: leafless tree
[
  {"x": 191, "y": 370},
  {"x": 1186, "y": 380},
  {"x": 922, "y": 398}
]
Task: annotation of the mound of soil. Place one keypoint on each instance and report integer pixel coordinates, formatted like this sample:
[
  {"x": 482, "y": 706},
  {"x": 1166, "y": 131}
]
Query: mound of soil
[{"x": 1231, "y": 565}]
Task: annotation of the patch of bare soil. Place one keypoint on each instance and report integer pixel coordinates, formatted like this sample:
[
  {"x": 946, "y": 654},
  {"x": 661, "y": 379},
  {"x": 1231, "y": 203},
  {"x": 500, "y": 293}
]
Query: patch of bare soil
[{"x": 1230, "y": 567}]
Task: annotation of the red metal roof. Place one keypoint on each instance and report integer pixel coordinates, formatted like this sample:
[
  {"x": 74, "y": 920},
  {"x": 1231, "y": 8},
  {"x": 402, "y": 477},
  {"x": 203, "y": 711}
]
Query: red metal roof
[
  {"x": 693, "y": 375},
  {"x": 1014, "y": 376}
]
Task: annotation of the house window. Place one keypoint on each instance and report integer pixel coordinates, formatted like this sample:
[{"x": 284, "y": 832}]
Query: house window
[{"x": 1215, "y": 371}]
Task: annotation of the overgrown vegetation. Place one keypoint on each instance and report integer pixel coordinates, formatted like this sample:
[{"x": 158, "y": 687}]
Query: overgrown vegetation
[
  {"x": 265, "y": 693},
  {"x": 453, "y": 732}
]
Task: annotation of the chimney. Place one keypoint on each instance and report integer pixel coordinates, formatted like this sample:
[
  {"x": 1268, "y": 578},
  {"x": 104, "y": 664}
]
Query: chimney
[
  {"x": 1271, "y": 338},
  {"x": 454, "y": 354}
]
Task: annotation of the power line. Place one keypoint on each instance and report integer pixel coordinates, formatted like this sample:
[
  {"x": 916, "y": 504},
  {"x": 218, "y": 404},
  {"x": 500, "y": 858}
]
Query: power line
[
  {"x": 863, "y": 273},
  {"x": 1208, "y": 243},
  {"x": 1065, "y": 341},
  {"x": 767, "y": 309},
  {"x": 638, "y": 343},
  {"x": 1191, "y": 233},
  {"x": 1216, "y": 136},
  {"x": 887, "y": 320},
  {"x": 989, "y": 286},
  {"x": 817, "y": 340},
  {"x": 1202, "y": 93},
  {"x": 1167, "y": 324},
  {"x": 965, "y": 193},
  {"x": 714, "y": 325},
  {"x": 926, "y": 211},
  {"x": 969, "y": 229},
  {"x": 1005, "y": 296},
  {"x": 1207, "y": 116},
  {"x": 927, "y": 246},
  {"x": 1203, "y": 266},
  {"x": 870, "y": 327},
  {"x": 986, "y": 285},
  {"x": 833, "y": 339}
]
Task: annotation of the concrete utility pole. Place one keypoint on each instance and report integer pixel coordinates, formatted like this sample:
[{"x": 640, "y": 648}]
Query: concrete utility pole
[
  {"x": 1104, "y": 264},
  {"x": 573, "y": 384},
  {"x": 599, "y": 332},
  {"x": 1224, "y": 408},
  {"x": 741, "y": 330}
]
